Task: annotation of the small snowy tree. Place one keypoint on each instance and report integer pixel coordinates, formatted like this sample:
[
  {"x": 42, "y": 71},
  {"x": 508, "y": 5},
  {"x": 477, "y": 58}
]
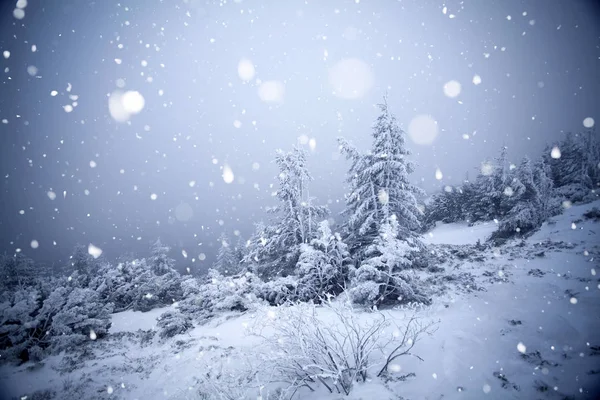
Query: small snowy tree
[
  {"x": 549, "y": 202},
  {"x": 492, "y": 192},
  {"x": 173, "y": 323},
  {"x": 225, "y": 263},
  {"x": 275, "y": 248},
  {"x": 383, "y": 277},
  {"x": 159, "y": 261},
  {"x": 525, "y": 215},
  {"x": 16, "y": 272},
  {"x": 323, "y": 265}
]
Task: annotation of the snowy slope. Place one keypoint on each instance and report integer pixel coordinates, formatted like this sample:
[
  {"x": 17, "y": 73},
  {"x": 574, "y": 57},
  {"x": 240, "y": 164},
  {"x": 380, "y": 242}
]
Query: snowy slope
[{"x": 540, "y": 296}]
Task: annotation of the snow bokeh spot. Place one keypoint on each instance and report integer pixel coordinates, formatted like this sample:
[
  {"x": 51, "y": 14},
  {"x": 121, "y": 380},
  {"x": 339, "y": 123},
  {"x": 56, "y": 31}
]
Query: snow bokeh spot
[
  {"x": 246, "y": 69},
  {"x": 588, "y": 122},
  {"x": 521, "y": 347},
  {"x": 350, "y": 78},
  {"x": 452, "y": 88},
  {"x": 271, "y": 91},
  {"x": 423, "y": 129},
  {"x": 555, "y": 153},
  {"x": 184, "y": 212}
]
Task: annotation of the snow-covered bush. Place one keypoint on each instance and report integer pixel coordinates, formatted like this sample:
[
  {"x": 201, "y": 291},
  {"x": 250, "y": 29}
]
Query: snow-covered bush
[
  {"x": 173, "y": 323},
  {"x": 323, "y": 265},
  {"x": 308, "y": 351},
  {"x": 139, "y": 284},
  {"x": 82, "y": 317},
  {"x": 383, "y": 277},
  {"x": 219, "y": 293},
  {"x": 32, "y": 323},
  {"x": 277, "y": 290},
  {"x": 332, "y": 346},
  {"x": 18, "y": 324}
]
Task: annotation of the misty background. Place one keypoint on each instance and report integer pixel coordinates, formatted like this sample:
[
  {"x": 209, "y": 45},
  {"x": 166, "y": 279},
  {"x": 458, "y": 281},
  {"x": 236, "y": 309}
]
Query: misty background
[{"x": 226, "y": 83}]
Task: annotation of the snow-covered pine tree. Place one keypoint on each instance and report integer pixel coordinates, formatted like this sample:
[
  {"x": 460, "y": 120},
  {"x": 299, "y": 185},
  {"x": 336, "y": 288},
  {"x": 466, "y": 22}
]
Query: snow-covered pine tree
[
  {"x": 225, "y": 262},
  {"x": 299, "y": 216},
  {"x": 574, "y": 173},
  {"x": 239, "y": 250},
  {"x": 275, "y": 249},
  {"x": 323, "y": 265},
  {"x": 383, "y": 277},
  {"x": 16, "y": 272},
  {"x": 447, "y": 206},
  {"x": 491, "y": 196},
  {"x": 159, "y": 261},
  {"x": 549, "y": 202},
  {"x": 81, "y": 266},
  {"x": 379, "y": 185},
  {"x": 525, "y": 214}
]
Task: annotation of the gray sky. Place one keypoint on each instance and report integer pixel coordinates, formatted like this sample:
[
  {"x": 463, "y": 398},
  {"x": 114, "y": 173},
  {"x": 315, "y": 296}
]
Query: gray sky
[{"x": 211, "y": 75}]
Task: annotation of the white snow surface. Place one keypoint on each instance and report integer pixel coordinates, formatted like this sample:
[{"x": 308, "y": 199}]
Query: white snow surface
[
  {"x": 131, "y": 321},
  {"x": 476, "y": 339},
  {"x": 460, "y": 233}
]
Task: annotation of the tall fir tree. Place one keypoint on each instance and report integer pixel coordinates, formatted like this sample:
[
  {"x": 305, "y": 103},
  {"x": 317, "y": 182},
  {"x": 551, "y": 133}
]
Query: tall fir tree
[{"x": 379, "y": 185}]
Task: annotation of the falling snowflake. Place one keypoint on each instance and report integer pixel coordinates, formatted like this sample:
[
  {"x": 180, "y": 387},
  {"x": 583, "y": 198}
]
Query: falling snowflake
[
  {"x": 227, "y": 174},
  {"x": 452, "y": 88},
  {"x": 94, "y": 251}
]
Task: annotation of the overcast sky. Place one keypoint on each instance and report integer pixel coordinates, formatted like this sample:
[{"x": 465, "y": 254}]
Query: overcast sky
[{"x": 195, "y": 86}]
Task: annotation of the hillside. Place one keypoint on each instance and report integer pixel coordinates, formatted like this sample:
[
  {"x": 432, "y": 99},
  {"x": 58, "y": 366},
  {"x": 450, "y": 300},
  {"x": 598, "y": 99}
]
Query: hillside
[{"x": 519, "y": 321}]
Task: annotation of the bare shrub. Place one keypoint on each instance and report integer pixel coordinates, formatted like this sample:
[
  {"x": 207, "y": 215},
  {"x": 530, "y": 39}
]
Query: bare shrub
[{"x": 333, "y": 347}]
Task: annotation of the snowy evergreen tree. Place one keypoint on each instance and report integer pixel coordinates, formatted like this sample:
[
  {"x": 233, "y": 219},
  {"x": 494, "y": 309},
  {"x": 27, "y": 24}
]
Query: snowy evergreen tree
[
  {"x": 525, "y": 214},
  {"x": 549, "y": 202},
  {"x": 379, "y": 185},
  {"x": 575, "y": 170},
  {"x": 16, "y": 272},
  {"x": 82, "y": 267},
  {"x": 323, "y": 265},
  {"x": 274, "y": 249},
  {"x": 492, "y": 194},
  {"x": 384, "y": 276},
  {"x": 239, "y": 251},
  {"x": 449, "y": 205},
  {"x": 225, "y": 263},
  {"x": 159, "y": 260}
]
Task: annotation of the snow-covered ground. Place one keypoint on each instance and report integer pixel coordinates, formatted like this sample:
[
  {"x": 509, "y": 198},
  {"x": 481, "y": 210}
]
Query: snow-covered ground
[
  {"x": 527, "y": 328},
  {"x": 459, "y": 233}
]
